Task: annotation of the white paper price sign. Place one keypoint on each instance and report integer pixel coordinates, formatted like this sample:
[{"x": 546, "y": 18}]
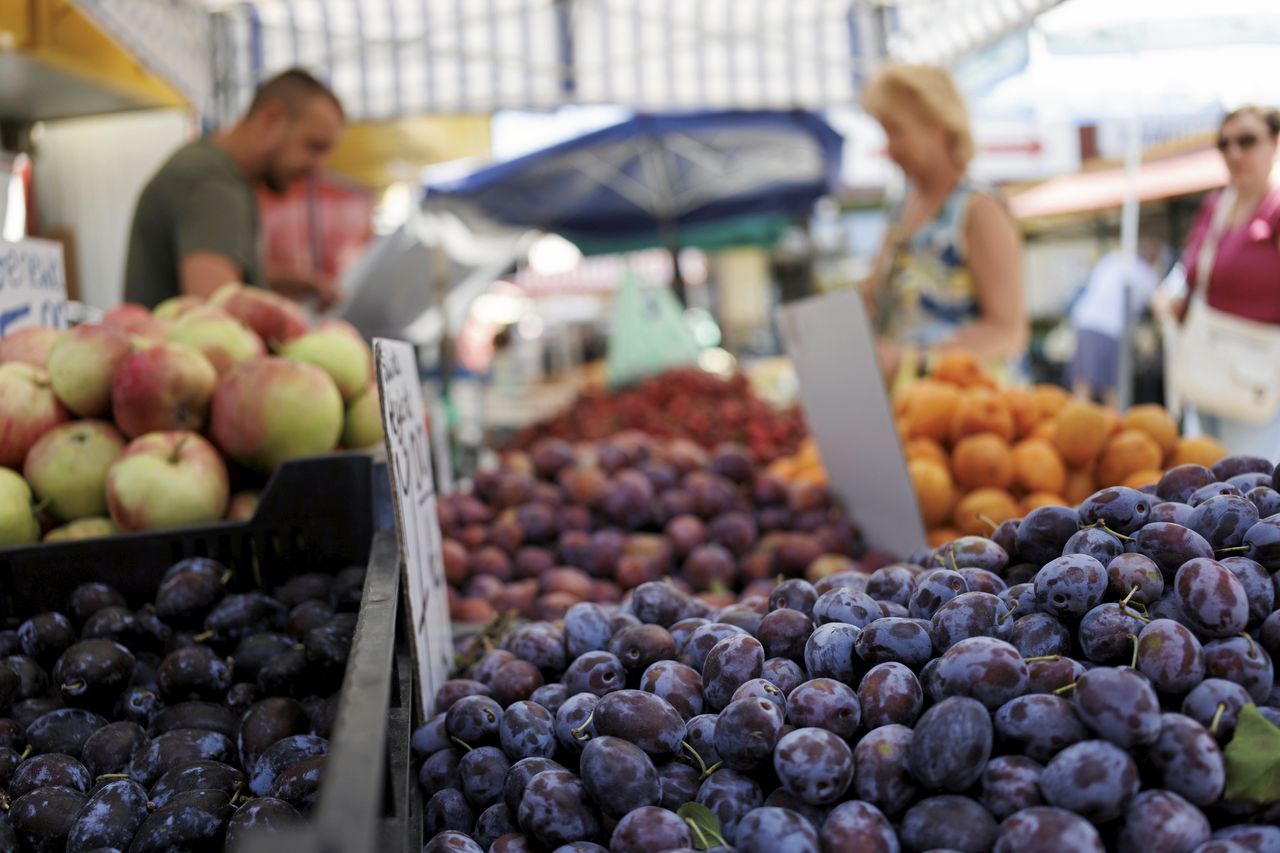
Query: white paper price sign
[
  {"x": 848, "y": 412},
  {"x": 33, "y": 286},
  {"x": 417, "y": 528}
]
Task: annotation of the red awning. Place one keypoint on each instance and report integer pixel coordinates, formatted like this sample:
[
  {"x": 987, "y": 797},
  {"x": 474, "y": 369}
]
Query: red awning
[{"x": 1088, "y": 191}]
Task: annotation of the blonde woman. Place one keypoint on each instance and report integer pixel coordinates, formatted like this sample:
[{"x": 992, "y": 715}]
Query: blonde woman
[{"x": 949, "y": 275}]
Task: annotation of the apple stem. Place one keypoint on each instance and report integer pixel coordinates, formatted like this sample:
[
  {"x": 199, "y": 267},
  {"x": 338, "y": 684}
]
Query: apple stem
[
  {"x": 1253, "y": 651},
  {"x": 714, "y": 767},
  {"x": 986, "y": 519},
  {"x": 177, "y": 450},
  {"x": 1041, "y": 658},
  {"x": 1134, "y": 663},
  {"x": 1013, "y": 607},
  {"x": 1234, "y": 549},
  {"x": 72, "y": 686},
  {"x": 26, "y": 753},
  {"x": 462, "y": 743},
  {"x": 204, "y": 636},
  {"x": 1066, "y": 688},
  {"x": 111, "y": 776}
]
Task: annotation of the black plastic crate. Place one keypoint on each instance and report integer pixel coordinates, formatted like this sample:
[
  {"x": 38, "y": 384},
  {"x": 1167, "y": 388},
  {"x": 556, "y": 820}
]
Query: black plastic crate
[{"x": 314, "y": 515}]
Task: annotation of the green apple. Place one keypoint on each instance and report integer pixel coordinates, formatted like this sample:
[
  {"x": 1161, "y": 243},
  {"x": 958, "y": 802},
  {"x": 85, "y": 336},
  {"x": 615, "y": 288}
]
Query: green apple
[
  {"x": 271, "y": 409},
  {"x": 167, "y": 479},
  {"x": 28, "y": 409},
  {"x": 82, "y": 528},
  {"x": 339, "y": 352},
  {"x": 18, "y": 525},
  {"x": 67, "y": 468},
  {"x": 82, "y": 364},
  {"x": 363, "y": 425},
  {"x": 223, "y": 339}
]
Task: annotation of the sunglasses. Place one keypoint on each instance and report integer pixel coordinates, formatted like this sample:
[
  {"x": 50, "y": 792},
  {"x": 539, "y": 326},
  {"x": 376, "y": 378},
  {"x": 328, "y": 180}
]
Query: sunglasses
[{"x": 1244, "y": 141}]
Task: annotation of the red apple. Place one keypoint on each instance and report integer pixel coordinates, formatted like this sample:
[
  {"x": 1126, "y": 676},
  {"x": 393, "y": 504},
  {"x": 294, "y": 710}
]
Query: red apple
[
  {"x": 271, "y": 409},
  {"x": 274, "y": 318},
  {"x": 167, "y": 479},
  {"x": 28, "y": 409},
  {"x": 221, "y": 338},
  {"x": 67, "y": 468},
  {"x": 164, "y": 387},
  {"x": 82, "y": 364},
  {"x": 30, "y": 345},
  {"x": 136, "y": 322},
  {"x": 242, "y": 506}
]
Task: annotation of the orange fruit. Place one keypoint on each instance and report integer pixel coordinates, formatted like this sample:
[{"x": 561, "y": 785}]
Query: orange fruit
[
  {"x": 981, "y": 410},
  {"x": 1156, "y": 423},
  {"x": 1050, "y": 399},
  {"x": 982, "y": 460},
  {"x": 1045, "y": 430},
  {"x": 1035, "y": 500},
  {"x": 997, "y": 505},
  {"x": 940, "y": 536},
  {"x": 1080, "y": 484},
  {"x": 1022, "y": 406},
  {"x": 1146, "y": 477},
  {"x": 929, "y": 409},
  {"x": 1128, "y": 452},
  {"x": 934, "y": 492},
  {"x": 962, "y": 369},
  {"x": 1037, "y": 467},
  {"x": 1201, "y": 450},
  {"x": 1080, "y": 431},
  {"x": 925, "y": 448}
]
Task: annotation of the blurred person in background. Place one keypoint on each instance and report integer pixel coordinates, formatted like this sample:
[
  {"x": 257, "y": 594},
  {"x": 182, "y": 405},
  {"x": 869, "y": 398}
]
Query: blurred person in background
[
  {"x": 195, "y": 226},
  {"x": 949, "y": 275},
  {"x": 1098, "y": 318},
  {"x": 1232, "y": 266}
]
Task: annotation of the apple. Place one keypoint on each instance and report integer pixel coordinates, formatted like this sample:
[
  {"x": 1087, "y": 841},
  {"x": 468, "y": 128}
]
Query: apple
[
  {"x": 18, "y": 524},
  {"x": 223, "y": 339},
  {"x": 67, "y": 468},
  {"x": 175, "y": 306},
  {"x": 28, "y": 409},
  {"x": 167, "y": 479},
  {"x": 243, "y": 505},
  {"x": 82, "y": 528},
  {"x": 164, "y": 387},
  {"x": 274, "y": 318},
  {"x": 363, "y": 425},
  {"x": 82, "y": 364},
  {"x": 272, "y": 409},
  {"x": 337, "y": 349},
  {"x": 30, "y": 345},
  {"x": 136, "y": 322}
]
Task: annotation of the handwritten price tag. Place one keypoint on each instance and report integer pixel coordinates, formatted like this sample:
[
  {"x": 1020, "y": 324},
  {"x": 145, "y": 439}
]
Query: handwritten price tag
[
  {"x": 417, "y": 528},
  {"x": 33, "y": 286}
]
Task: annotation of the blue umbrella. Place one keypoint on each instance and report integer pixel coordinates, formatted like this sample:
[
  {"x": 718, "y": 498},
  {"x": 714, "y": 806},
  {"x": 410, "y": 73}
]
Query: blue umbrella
[{"x": 657, "y": 178}]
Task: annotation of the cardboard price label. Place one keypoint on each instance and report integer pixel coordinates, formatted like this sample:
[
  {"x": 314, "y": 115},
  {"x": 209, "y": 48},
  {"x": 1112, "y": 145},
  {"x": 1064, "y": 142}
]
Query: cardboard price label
[
  {"x": 848, "y": 412},
  {"x": 417, "y": 527},
  {"x": 33, "y": 286}
]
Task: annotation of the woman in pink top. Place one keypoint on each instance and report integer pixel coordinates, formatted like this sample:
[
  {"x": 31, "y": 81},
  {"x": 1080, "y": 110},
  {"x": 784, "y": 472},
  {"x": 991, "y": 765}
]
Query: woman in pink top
[{"x": 1245, "y": 280}]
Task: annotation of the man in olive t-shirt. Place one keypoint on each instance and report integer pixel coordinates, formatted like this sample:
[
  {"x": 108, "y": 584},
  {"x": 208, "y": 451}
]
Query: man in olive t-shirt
[{"x": 195, "y": 227}]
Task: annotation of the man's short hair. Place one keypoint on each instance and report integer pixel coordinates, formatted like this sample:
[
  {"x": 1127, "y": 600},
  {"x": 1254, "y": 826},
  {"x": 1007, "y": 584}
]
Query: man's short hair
[{"x": 293, "y": 88}]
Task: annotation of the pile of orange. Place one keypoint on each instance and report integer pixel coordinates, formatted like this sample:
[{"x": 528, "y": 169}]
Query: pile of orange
[
  {"x": 804, "y": 466},
  {"x": 978, "y": 454}
]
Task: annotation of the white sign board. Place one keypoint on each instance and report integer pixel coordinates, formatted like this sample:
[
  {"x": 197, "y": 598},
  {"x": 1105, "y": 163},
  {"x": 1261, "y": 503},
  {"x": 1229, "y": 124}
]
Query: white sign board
[
  {"x": 848, "y": 413},
  {"x": 33, "y": 286},
  {"x": 413, "y": 495}
]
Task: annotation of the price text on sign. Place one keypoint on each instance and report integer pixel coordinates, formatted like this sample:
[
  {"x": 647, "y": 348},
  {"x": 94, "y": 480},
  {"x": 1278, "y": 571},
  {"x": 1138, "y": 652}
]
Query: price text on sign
[
  {"x": 33, "y": 286},
  {"x": 417, "y": 528}
]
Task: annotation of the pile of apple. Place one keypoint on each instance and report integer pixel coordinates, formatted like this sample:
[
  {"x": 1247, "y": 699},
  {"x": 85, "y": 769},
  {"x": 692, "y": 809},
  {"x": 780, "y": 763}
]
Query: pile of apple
[
  {"x": 684, "y": 402},
  {"x": 123, "y": 425}
]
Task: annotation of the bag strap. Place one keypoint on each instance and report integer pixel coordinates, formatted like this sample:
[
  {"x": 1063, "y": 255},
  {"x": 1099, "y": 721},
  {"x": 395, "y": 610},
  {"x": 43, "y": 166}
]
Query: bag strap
[{"x": 1209, "y": 247}]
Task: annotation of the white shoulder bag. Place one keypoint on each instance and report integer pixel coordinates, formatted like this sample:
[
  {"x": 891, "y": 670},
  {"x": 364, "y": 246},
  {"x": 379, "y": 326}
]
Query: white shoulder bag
[{"x": 1224, "y": 364}]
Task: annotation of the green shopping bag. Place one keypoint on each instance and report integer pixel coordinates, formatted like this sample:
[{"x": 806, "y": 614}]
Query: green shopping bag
[{"x": 649, "y": 334}]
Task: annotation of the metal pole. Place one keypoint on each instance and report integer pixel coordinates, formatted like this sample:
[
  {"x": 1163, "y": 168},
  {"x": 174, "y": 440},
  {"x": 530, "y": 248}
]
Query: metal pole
[{"x": 1129, "y": 249}]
